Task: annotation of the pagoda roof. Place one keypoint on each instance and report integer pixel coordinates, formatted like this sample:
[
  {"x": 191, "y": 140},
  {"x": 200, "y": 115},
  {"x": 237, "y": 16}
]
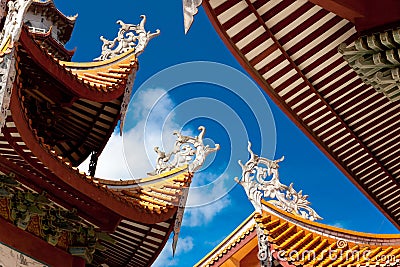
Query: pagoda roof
[
  {"x": 139, "y": 214},
  {"x": 294, "y": 241},
  {"x": 97, "y": 81},
  {"x": 84, "y": 97},
  {"x": 65, "y": 23},
  {"x": 290, "y": 48}
]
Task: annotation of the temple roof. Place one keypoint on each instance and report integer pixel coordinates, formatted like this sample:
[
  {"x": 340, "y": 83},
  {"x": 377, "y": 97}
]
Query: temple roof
[
  {"x": 54, "y": 114},
  {"x": 138, "y": 214},
  {"x": 290, "y": 48},
  {"x": 156, "y": 194},
  {"x": 90, "y": 80},
  {"x": 295, "y": 241},
  {"x": 64, "y": 23},
  {"x": 79, "y": 97}
]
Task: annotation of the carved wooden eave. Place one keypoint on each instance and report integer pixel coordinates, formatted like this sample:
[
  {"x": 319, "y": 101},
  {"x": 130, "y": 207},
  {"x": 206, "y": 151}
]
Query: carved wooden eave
[{"x": 290, "y": 48}]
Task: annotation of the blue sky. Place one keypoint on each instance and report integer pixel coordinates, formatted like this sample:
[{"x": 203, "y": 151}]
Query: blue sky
[{"x": 232, "y": 108}]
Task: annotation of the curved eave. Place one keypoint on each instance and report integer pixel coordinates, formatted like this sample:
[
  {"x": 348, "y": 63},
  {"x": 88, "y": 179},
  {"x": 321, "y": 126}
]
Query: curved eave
[
  {"x": 50, "y": 4},
  {"x": 288, "y": 233},
  {"x": 290, "y": 49},
  {"x": 47, "y": 36},
  {"x": 68, "y": 21},
  {"x": 76, "y": 79},
  {"x": 59, "y": 170},
  {"x": 156, "y": 194}
]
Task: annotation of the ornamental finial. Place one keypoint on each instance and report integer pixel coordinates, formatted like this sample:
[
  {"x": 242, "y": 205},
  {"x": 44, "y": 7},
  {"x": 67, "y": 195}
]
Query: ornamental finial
[
  {"x": 254, "y": 173},
  {"x": 187, "y": 151},
  {"x": 130, "y": 36},
  {"x": 190, "y": 8}
]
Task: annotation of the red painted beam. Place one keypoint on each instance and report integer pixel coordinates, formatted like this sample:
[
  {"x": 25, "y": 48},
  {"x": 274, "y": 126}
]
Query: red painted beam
[
  {"x": 366, "y": 15},
  {"x": 35, "y": 247}
]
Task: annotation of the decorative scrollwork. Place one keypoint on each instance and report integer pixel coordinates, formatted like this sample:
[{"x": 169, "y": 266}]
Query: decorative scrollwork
[
  {"x": 254, "y": 173},
  {"x": 13, "y": 24},
  {"x": 9, "y": 35},
  {"x": 130, "y": 36},
  {"x": 190, "y": 8},
  {"x": 187, "y": 151},
  {"x": 264, "y": 251},
  {"x": 54, "y": 221}
]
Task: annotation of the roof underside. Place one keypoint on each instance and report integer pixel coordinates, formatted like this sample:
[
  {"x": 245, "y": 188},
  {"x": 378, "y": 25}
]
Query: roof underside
[
  {"x": 291, "y": 49},
  {"x": 138, "y": 241},
  {"x": 62, "y": 104},
  {"x": 140, "y": 214}
]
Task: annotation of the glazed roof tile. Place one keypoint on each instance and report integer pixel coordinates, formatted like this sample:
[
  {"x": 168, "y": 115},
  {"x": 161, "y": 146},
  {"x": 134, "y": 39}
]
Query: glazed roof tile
[
  {"x": 98, "y": 76},
  {"x": 105, "y": 75},
  {"x": 300, "y": 242}
]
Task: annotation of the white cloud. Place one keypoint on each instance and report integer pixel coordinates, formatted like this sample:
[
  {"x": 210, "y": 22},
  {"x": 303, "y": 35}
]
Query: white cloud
[
  {"x": 165, "y": 259},
  {"x": 339, "y": 225},
  {"x": 132, "y": 156},
  {"x": 204, "y": 203}
]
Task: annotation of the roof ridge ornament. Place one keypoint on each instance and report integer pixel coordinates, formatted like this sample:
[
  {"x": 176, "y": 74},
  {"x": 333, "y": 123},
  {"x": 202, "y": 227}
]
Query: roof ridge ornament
[
  {"x": 254, "y": 173},
  {"x": 190, "y": 9},
  {"x": 130, "y": 36},
  {"x": 187, "y": 151}
]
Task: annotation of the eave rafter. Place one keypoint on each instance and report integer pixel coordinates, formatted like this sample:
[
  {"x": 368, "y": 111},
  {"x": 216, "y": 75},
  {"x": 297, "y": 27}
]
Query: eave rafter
[{"x": 230, "y": 20}]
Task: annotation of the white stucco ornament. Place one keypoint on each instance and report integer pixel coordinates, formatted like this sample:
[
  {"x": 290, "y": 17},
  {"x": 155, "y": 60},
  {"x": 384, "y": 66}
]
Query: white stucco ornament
[
  {"x": 190, "y": 9},
  {"x": 187, "y": 151},
  {"x": 254, "y": 174},
  {"x": 130, "y": 36},
  {"x": 8, "y": 37}
]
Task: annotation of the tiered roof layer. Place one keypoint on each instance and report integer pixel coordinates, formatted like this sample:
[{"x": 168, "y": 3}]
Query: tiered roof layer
[{"x": 291, "y": 49}]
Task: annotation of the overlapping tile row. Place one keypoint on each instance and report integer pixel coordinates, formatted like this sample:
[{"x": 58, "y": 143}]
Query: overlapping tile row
[
  {"x": 107, "y": 76},
  {"x": 291, "y": 49},
  {"x": 294, "y": 241},
  {"x": 157, "y": 194},
  {"x": 301, "y": 242}
]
